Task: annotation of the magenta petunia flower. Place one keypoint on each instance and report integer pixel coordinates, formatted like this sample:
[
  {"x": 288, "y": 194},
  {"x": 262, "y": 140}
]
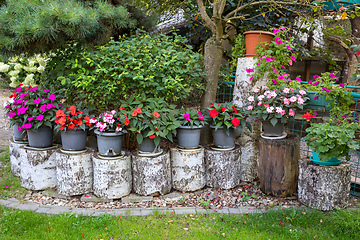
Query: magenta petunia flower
[
  {"x": 12, "y": 114},
  {"x": 30, "y": 119},
  {"x": 281, "y": 78},
  {"x": 316, "y": 97},
  {"x": 47, "y": 91},
  {"x": 33, "y": 89},
  {"x": 23, "y": 95},
  {"x": 43, "y": 107},
  {"x": 298, "y": 79},
  {"x": 332, "y": 75},
  {"x": 37, "y": 101},
  {"x": 268, "y": 59},
  {"x": 310, "y": 82},
  {"x": 40, "y": 117},
  {"x": 315, "y": 76},
  {"x": 275, "y": 71},
  {"x": 290, "y": 48},
  {"x": 342, "y": 84},
  {"x": 249, "y": 70},
  {"x": 327, "y": 90},
  {"x": 19, "y": 128},
  {"x": 52, "y": 97},
  {"x": 276, "y": 30},
  {"x": 293, "y": 57},
  {"x": 315, "y": 83},
  {"x": 274, "y": 81},
  {"x": 27, "y": 126},
  {"x": 50, "y": 106}
]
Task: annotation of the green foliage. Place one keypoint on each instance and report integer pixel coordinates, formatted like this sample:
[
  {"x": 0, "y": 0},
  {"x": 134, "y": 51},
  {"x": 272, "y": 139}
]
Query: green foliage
[
  {"x": 190, "y": 117},
  {"x": 238, "y": 50},
  {"x": 156, "y": 65},
  {"x": 150, "y": 117},
  {"x": 332, "y": 140},
  {"x": 41, "y": 25}
]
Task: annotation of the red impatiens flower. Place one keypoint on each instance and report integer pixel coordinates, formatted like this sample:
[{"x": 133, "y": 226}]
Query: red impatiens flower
[
  {"x": 73, "y": 110},
  {"x": 60, "y": 113},
  {"x": 134, "y": 113},
  {"x": 236, "y": 110},
  {"x": 71, "y": 126},
  {"x": 223, "y": 109},
  {"x": 138, "y": 110},
  {"x": 156, "y": 114},
  {"x": 127, "y": 121},
  {"x": 213, "y": 113},
  {"x": 122, "y": 108},
  {"x": 235, "y": 122},
  {"x": 152, "y": 136},
  {"x": 62, "y": 121},
  {"x": 307, "y": 115}
]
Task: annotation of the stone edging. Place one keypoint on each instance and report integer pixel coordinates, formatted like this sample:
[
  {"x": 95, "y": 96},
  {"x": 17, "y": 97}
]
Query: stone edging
[{"x": 49, "y": 209}]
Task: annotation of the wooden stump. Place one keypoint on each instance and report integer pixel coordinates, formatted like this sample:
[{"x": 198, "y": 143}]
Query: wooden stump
[
  {"x": 188, "y": 169},
  {"x": 16, "y": 151},
  {"x": 278, "y": 167},
  {"x": 74, "y": 173},
  {"x": 38, "y": 169},
  {"x": 222, "y": 168},
  {"x": 324, "y": 187},
  {"x": 151, "y": 174},
  {"x": 112, "y": 177}
]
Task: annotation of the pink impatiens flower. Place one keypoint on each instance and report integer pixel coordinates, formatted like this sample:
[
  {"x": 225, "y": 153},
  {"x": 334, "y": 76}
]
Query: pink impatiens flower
[
  {"x": 270, "y": 109},
  {"x": 298, "y": 79},
  {"x": 302, "y": 92},
  {"x": 51, "y": 97},
  {"x": 315, "y": 76},
  {"x": 275, "y": 71},
  {"x": 286, "y": 101},
  {"x": 289, "y": 48},
  {"x": 12, "y": 114},
  {"x": 276, "y": 30},
  {"x": 37, "y": 100},
  {"x": 293, "y": 99},
  {"x": 291, "y": 112},
  {"x": 40, "y": 117},
  {"x": 342, "y": 84},
  {"x": 249, "y": 70},
  {"x": 250, "y": 107}
]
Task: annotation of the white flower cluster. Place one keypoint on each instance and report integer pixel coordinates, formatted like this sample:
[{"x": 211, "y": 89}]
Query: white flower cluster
[{"x": 24, "y": 70}]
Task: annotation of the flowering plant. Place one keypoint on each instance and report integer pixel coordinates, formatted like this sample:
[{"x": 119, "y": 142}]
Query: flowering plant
[
  {"x": 34, "y": 107},
  {"x": 111, "y": 121},
  {"x": 333, "y": 139},
  {"x": 24, "y": 70},
  {"x": 275, "y": 60},
  {"x": 228, "y": 116},
  {"x": 72, "y": 118},
  {"x": 338, "y": 99},
  {"x": 190, "y": 117},
  {"x": 15, "y": 106},
  {"x": 275, "y": 105},
  {"x": 150, "y": 117}
]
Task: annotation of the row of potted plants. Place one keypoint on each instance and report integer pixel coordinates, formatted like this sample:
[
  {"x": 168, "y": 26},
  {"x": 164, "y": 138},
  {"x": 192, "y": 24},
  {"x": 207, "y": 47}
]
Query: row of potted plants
[{"x": 36, "y": 112}]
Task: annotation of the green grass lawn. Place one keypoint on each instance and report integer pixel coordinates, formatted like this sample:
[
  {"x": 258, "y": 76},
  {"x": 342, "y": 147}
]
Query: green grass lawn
[
  {"x": 282, "y": 224},
  {"x": 289, "y": 224}
]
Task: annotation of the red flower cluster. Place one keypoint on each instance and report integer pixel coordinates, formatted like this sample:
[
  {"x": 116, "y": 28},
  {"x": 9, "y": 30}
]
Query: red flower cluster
[
  {"x": 71, "y": 119},
  {"x": 307, "y": 115},
  {"x": 136, "y": 112}
]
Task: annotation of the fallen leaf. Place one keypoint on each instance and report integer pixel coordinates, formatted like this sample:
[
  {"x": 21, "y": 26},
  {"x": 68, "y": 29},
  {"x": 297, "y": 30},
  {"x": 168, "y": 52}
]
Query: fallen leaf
[
  {"x": 343, "y": 15},
  {"x": 82, "y": 235},
  {"x": 6, "y": 187},
  {"x": 192, "y": 218},
  {"x": 266, "y": 208},
  {"x": 263, "y": 14},
  {"x": 172, "y": 212},
  {"x": 315, "y": 237},
  {"x": 215, "y": 211},
  {"x": 283, "y": 213},
  {"x": 321, "y": 220},
  {"x": 186, "y": 229},
  {"x": 223, "y": 234},
  {"x": 303, "y": 213},
  {"x": 87, "y": 196},
  {"x": 120, "y": 216},
  {"x": 282, "y": 223},
  {"x": 106, "y": 228}
]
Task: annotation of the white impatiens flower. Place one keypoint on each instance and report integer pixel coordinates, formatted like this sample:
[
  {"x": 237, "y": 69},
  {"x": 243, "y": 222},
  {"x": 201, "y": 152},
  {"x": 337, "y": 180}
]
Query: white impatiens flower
[
  {"x": 270, "y": 109},
  {"x": 293, "y": 99},
  {"x": 4, "y": 67},
  {"x": 302, "y": 92},
  {"x": 251, "y": 98}
]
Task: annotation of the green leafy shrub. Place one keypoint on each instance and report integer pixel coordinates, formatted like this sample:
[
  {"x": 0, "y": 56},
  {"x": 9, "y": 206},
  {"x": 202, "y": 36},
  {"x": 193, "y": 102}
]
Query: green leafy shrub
[{"x": 159, "y": 65}]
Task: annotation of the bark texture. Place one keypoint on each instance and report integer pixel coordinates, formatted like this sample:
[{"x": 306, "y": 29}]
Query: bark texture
[
  {"x": 151, "y": 174},
  {"x": 112, "y": 178},
  {"x": 74, "y": 173},
  {"x": 247, "y": 141},
  {"x": 38, "y": 169},
  {"x": 278, "y": 165},
  {"x": 222, "y": 168},
  {"x": 324, "y": 187},
  {"x": 188, "y": 169},
  {"x": 16, "y": 151}
]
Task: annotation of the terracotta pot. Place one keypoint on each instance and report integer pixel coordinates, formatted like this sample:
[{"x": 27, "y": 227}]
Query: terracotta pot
[{"x": 252, "y": 38}]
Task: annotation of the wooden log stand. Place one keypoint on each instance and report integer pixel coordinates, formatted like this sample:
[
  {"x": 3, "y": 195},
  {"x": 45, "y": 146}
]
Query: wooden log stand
[
  {"x": 222, "y": 168},
  {"x": 16, "y": 150},
  {"x": 278, "y": 167},
  {"x": 324, "y": 187},
  {"x": 74, "y": 173},
  {"x": 151, "y": 174},
  {"x": 188, "y": 169},
  {"x": 38, "y": 169},
  {"x": 112, "y": 176}
]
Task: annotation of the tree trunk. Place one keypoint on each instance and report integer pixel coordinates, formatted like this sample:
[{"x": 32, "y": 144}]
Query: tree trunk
[
  {"x": 212, "y": 60},
  {"x": 355, "y": 29}
]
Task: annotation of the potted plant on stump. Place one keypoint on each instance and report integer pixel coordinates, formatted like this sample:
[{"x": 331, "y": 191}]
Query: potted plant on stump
[
  {"x": 73, "y": 125},
  {"x": 191, "y": 123},
  {"x": 225, "y": 118},
  {"x": 108, "y": 128},
  {"x": 39, "y": 109}
]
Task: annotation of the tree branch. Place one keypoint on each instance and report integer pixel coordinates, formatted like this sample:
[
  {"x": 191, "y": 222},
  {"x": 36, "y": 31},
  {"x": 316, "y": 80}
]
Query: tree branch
[
  {"x": 210, "y": 24},
  {"x": 238, "y": 9}
]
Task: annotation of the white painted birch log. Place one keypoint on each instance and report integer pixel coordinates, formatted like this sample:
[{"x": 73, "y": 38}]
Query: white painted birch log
[
  {"x": 248, "y": 140},
  {"x": 151, "y": 174},
  {"x": 112, "y": 178},
  {"x": 74, "y": 173},
  {"x": 188, "y": 169},
  {"x": 38, "y": 169},
  {"x": 222, "y": 168},
  {"x": 324, "y": 187},
  {"x": 16, "y": 151}
]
